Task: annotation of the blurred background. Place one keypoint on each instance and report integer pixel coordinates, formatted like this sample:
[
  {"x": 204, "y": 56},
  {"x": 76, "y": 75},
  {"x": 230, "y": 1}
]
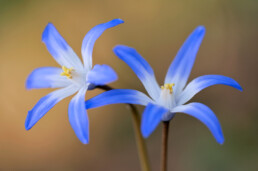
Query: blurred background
[{"x": 156, "y": 29}]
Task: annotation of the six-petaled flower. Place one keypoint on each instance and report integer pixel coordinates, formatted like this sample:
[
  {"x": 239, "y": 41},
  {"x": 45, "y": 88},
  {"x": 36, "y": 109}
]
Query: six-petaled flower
[
  {"x": 170, "y": 98},
  {"x": 74, "y": 76}
]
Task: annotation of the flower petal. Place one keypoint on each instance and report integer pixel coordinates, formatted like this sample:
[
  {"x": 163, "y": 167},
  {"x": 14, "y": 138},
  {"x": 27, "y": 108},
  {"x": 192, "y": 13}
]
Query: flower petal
[
  {"x": 181, "y": 67},
  {"x": 78, "y": 116},
  {"x": 203, "y": 82},
  {"x": 141, "y": 68},
  {"x": 90, "y": 38},
  {"x": 59, "y": 49},
  {"x": 46, "y": 77},
  {"x": 101, "y": 75},
  {"x": 205, "y": 115},
  {"x": 151, "y": 117},
  {"x": 46, "y": 103},
  {"x": 118, "y": 96}
]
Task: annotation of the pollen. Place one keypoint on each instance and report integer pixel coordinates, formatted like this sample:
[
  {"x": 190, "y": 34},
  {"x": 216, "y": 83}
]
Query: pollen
[
  {"x": 67, "y": 72},
  {"x": 168, "y": 87}
]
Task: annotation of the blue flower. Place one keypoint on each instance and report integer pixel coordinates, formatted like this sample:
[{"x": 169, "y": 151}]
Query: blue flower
[
  {"x": 170, "y": 98},
  {"x": 73, "y": 77}
]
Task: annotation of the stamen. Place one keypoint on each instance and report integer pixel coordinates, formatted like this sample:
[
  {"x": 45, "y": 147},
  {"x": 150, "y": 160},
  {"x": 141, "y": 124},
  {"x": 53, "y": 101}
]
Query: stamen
[
  {"x": 67, "y": 72},
  {"x": 168, "y": 87}
]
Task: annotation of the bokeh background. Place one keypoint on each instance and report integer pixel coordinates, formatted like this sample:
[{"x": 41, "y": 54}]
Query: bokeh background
[{"x": 156, "y": 29}]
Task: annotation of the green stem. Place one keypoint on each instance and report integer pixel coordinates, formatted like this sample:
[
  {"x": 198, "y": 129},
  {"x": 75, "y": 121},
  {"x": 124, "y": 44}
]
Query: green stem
[
  {"x": 164, "y": 150},
  {"x": 142, "y": 150}
]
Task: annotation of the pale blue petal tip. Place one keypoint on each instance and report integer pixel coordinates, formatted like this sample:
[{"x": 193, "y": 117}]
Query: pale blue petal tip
[
  {"x": 115, "y": 77},
  {"x": 120, "y": 48},
  {"x": 239, "y": 87},
  {"x": 46, "y": 31},
  {"x": 28, "y": 84},
  {"x": 29, "y": 81},
  {"x": 200, "y": 28},
  {"x": 101, "y": 75},
  {"x": 147, "y": 130},
  {"x": 236, "y": 85},
  {"x": 118, "y": 21},
  {"x": 84, "y": 140},
  {"x": 27, "y": 122},
  {"x": 116, "y": 48},
  {"x": 145, "y": 133},
  {"x": 221, "y": 142},
  {"x": 219, "y": 137}
]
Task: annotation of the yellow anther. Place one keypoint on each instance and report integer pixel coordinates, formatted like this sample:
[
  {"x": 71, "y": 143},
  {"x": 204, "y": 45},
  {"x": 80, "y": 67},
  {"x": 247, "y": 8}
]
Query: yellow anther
[
  {"x": 168, "y": 87},
  {"x": 67, "y": 72}
]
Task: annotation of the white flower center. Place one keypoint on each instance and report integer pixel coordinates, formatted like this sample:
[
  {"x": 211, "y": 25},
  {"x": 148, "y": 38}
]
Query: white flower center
[{"x": 167, "y": 98}]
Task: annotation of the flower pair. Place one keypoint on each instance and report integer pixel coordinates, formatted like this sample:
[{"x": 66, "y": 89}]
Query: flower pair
[{"x": 163, "y": 103}]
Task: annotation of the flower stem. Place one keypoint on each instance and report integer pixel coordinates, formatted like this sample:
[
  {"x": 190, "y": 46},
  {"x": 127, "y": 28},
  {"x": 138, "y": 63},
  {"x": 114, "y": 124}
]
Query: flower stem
[
  {"x": 164, "y": 152},
  {"x": 142, "y": 150}
]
